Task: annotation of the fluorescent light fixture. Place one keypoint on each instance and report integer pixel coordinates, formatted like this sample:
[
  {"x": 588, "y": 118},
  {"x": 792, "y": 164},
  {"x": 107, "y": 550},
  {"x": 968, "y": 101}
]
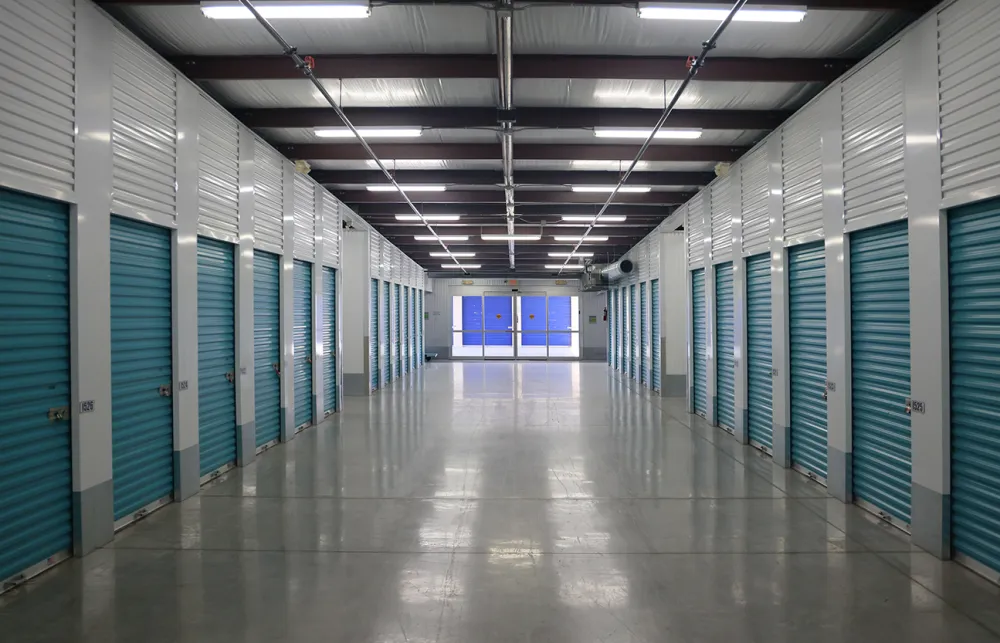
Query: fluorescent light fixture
[
  {"x": 460, "y": 255},
  {"x": 455, "y": 266},
  {"x": 442, "y": 237},
  {"x": 589, "y": 239},
  {"x": 559, "y": 266},
  {"x": 303, "y": 10},
  {"x": 757, "y": 13},
  {"x": 572, "y": 255},
  {"x": 687, "y": 134},
  {"x": 428, "y": 217},
  {"x": 635, "y": 189},
  {"x": 369, "y": 132},
  {"x": 406, "y": 188},
  {"x": 584, "y": 218},
  {"x": 511, "y": 237}
]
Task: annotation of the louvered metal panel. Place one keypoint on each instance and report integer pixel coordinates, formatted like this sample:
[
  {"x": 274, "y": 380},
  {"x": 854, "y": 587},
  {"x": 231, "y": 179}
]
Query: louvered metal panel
[
  {"x": 759, "y": 406},
  {"x": 303, "y": 343},
  {"x": 142, "y": 424},
  {"x": 305, "y": 218},
  {"x": 725, "y": 400},
  {"x": 695, "y": 228},
  {"x": 331, "y": 229},
  {"x": 329, "y": 340},
  {"x": 266, "y": 346},
  {"x": 880, "y": 356},
  {"x": 969, "y": 60},
  {"x": 801, "y": 177},
  {"x": 386, "y": 262},
  {"x": 396, "y": 335},
  {"x": 397, "y": 266},
  {"x": 755, "y": 192},
  {"x": 143, "y": 130},
  {"x": 655, "y": 326},
  {"x": 633, "y": 334},
  {"x": 611, "y": 324},
  {"x": 373, "y": 319},
  {"x": 644, "y": 335},
  {"x": 36, "y": 512},
  {"x": 974, "y": 267},
  {"x": 38, "y": 76},
  {"x": 807, "y": 356},
  {"x": 216, "y": 355},
  {"x": 874, "y": 138},
  {"x": 722, "y": 219},
  {"x": 375, "y": 254},
  {"x": 268, "y": 186},
  {"x": 700, "y": 339},
  {"x": 218, "y": 172}
]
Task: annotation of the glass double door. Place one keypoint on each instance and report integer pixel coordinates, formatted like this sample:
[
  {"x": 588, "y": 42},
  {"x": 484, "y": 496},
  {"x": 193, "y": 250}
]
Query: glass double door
[{"x": 530, "y": 325}]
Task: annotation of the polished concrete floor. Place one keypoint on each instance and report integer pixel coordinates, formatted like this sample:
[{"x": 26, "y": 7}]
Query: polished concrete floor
[{"x": 501, "y": 502}]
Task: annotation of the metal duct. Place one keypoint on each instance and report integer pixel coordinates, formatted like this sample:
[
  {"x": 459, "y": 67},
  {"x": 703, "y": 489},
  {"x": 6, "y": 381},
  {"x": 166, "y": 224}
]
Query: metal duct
[
  {"x": 505, "y": 60},
  {"x": 611, "y": 272}
]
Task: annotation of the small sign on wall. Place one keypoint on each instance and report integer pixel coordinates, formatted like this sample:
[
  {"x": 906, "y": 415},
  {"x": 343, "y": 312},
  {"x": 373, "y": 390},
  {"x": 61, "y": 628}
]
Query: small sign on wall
[{"x": 592, "y": 319}]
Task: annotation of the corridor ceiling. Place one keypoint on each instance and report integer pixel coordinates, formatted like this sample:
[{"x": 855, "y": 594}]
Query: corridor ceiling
[{"x": 577, "y": 66}]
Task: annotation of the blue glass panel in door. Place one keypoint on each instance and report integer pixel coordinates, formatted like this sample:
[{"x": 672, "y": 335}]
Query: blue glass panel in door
[
  {"x": 560, "y": 318},
  {"x": 533, "y": 320},
  {"x": 472, "y": 320},
  {"x": 499, "y": 316}
]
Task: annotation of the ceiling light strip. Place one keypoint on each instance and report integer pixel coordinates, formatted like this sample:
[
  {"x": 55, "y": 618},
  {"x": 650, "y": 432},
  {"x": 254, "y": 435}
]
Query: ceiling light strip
[
  {"x": 706, "y": 47},
  {"x": 292, "y": 53}
]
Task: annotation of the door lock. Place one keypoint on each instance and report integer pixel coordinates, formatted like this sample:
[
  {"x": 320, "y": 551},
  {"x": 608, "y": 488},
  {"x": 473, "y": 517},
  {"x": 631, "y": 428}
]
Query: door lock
[
  {"x": 277, "y": 368},
  {"x": 166, "y": 390},
  {"x": 909, "y": 406},
  {"x": 58, "y": 413},
  {"x": 231, "y": 377}
]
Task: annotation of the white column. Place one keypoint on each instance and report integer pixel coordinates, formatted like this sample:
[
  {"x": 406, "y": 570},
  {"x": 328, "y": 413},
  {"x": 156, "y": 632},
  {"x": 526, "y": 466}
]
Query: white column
[
  {"x": 318, "y": 312},
  {"x": 780, "y": 384},
  {"x": 187, "y": 469},
  {"x": 245, "y": 408},
  {"x": 838, "y": 300},
  {"x": 710, "y": 381},
  {"x": 286, "y": 318},
  {"x": 90, "y": 289},
  {"x": 739, "y": 310},
  {"x": 929, "y": 296}
]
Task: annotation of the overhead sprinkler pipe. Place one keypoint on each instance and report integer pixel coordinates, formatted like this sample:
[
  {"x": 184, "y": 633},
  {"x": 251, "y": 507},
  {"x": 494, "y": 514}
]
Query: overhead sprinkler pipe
[
  {"x": 306, "y": 69},
  {"x": 693, "y": 69},
  {"x": 505, "y": 62}
]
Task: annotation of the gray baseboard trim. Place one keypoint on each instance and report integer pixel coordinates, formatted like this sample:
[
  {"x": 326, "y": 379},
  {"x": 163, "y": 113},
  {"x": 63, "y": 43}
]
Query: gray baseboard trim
[
  {"x": 93, "y": 518},
  {"x": 187, "y": 473},
  {"x": 246, "y": 444},
  {"x": 930, "y": 521},
  {"x": 286, "y": 432},
  {"x": 840, "y": 471},
  {"x": 781, "y": 439},
  {"x": 595, "y": 354},
  {"x": 742, "y": 422},
  {"x": 673, "y": 386},
  {"x": 356, "y": 385}
]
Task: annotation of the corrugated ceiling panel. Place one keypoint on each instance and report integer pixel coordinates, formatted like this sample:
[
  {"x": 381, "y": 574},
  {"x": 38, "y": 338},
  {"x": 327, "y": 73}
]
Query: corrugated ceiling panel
[
  {"x": 802, "y": 177},
  {"x": 268, "y": 185},
  {"x": 756, "y": 218},
  {"x": 305, "y": 218},
  {"x": 874, "y": 139},
  {"x": 722, "y": 219},
  {"x": 38, "y": 77},
  {"x": 331, "y": 229},
  {"x": 969, "y": 60},
  {"x": 357, "y": 92},
  {"x": 144, "y": 130},
  {"x": 218, "y": 172}
]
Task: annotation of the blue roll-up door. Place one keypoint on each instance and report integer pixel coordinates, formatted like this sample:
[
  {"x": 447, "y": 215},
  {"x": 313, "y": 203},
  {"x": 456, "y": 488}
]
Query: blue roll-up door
[
  {"x": 807, "y": 356},
  {"x": 387, "y": 330},
  {"x": 655, "y": 328},
  {"x": 142, "y": 416},
  {"x": 329, "y": 340},
  {"x": 36, "y": 487},
  {"x": 644, "y": 334},
  {"x": 699, "y": 340},
  {"x": 373, "y": 337},
  {"x": 397, "y": 338},
  {"x": 974, "y": 266},
  {"x": 216, "y": 355},
  {"x": 303, "y": 343},
  {"x": 759, "y": 401},
  {"x": 725, "y": 390},
  {"x": 266, "y": 346},
  {"x": 880, "y": 356},
  {"x": 633, "y": 335}
]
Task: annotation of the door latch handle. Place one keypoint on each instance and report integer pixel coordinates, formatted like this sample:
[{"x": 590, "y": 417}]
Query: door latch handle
[
  {"x": 309, "y": 360},
  {"x": 277, "y": 368},
  {"x": 166, "y": 390},
  {"x": 58, "y": 413},
  {"x": 231, "y": 377},
  {"x": 909, "y": 406}
]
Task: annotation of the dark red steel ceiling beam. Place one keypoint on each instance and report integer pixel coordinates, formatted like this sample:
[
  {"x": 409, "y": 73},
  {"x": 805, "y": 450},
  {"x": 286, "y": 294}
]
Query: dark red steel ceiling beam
[
  {"x": 721, "y": 68},
  {"x": 495, "y": 177},
  {"x": 529, "y": 117},
  {"x": 490, "y": 151},
  {"x": 522, "y": 196}
]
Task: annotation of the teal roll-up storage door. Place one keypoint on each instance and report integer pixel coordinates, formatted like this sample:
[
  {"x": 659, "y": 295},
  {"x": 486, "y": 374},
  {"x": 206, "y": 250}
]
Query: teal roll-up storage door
[
  {"x": 216, "y": 355},
  {"x": 655, "y": 328},
  {"x": 699, "y": 340},
  {"x": 610, "y": 312},
  {"x": 633, "y": 335},
  {"x": 397, "y": 337},
  {"x": 880, "y": 357},
  {"x": 616, "y": 323},
  {"x": 387, "y": 330},
  {"x": 303, "y": 345},
  {"x": 266, "y": 346},
  {"x": 760, "y": 421},
  {"x": 725, "y": 400},
  {"x": 373, "y": 336},
  {"x": 329, "y": 340},
  {"x": 807, "y": 356},
  {"x": 36, "y": 487},
  {"x": 413, "y": 330},
  {"x": 644, "y": 334},
  {"x": 142, "y": 416},
  {"x": 420, "y": 341},
  {"x": 974, "y": 266},
  {"x": 406, "y": 329}
]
